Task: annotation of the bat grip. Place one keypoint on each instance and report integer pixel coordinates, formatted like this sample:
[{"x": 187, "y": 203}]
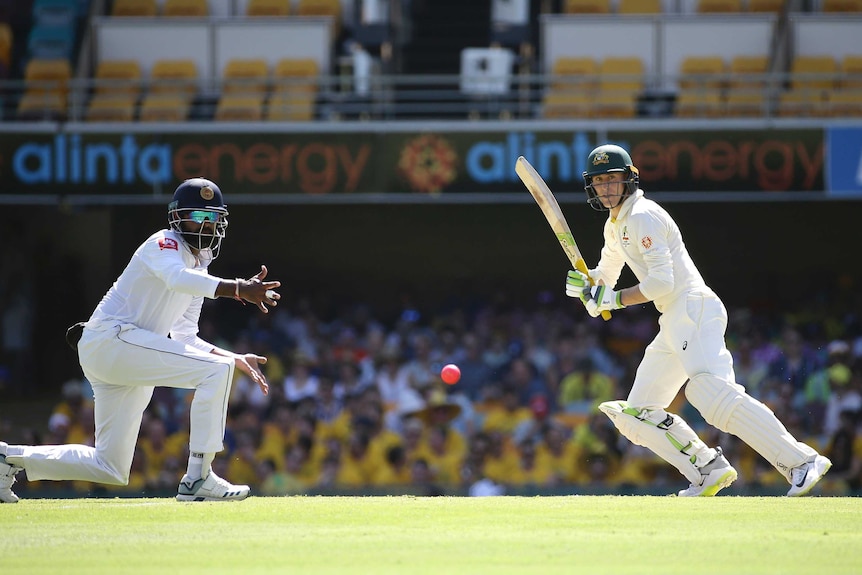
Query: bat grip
[{"x": 582, "y": 267}]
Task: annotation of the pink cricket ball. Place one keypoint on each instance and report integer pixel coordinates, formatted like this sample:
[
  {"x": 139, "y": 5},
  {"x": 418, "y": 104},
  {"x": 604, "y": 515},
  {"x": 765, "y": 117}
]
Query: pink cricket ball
[{"x": 450, "y": 374}]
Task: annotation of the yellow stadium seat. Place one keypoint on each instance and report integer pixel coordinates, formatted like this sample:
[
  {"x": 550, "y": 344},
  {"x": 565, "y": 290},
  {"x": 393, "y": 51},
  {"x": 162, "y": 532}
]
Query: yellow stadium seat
[
  {"x": 239, "y": 108},
  {"x": 766, "y": 5},
  {"x": 845, "y": 103},
  {"x": 639, "y": 7},
  {"x": 563, "y": 104},
  {"x": 586, "y": 7},
  {"x": 745, "y": 103},
  {"x": 42, "y": 76},
  {"x": 7, "y": 39},
  {"x": 699, "y": 104},
  {"x": 111, "y": 108},
  {"x": 615, "y": 104},
  {"x": 186, "y": 8},
  {"x": 246, "y": 76},
  {"x": 165, "y": 108},
  {"x": 42, "y": 106},
  {"x": 291, "y": 106},
  {"x": 702, "y": 72},
  {"x": 813, "y": 72},
  {"x": 802, "y": 102},
  {"x": 135, "y": 8},
  {"x": 574, "y": 74},
  {"x": 748, "y": 70},
  {"x": 851, "y": 72},
  {"x": 621, "y": 74},
  {"x": 296, "y": 74},
  {"x": 842, "y": 6},
  {"x": 268, "y": 8},
  {"x": 118, "y": 76},
  {"x": 174, "y": 76},
  {"x": 719, "y": 6}
]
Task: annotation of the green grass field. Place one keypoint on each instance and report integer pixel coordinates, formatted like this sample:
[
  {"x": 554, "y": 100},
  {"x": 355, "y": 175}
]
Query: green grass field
[{"x": 518, "y": 535}]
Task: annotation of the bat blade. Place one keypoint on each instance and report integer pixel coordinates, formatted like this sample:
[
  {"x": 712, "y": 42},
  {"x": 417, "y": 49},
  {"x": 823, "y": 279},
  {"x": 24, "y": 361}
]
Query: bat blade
[{"x": 553, "y": 214}]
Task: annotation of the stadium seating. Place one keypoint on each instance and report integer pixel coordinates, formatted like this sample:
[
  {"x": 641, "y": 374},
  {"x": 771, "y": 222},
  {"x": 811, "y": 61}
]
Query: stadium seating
[
  {"x": 49, "y": 42},
  {"x": 813, "y": 72},
  {"x": 620, "y": 83},
  {"x": 118, "y": 77},
  {"x": 719, "y": 6},
  {"x": 246, "y": 76},
  {"x": 851, "y": 73},
  {"x": 47, "y": 76},
  {"x": 7, "y": 40},
  {"x": 174, "y": 77},
  {"x": 766, "y": 6},
  {"x": 42, "y": 106},
  {"x": 260, "y": 8},
  {"x": 113, "y": 107},
  {"x": 239, "y": 108},
  {"x": 135, "y": 8},
  {"x": 55, "y": 13},
  {"x": 699, "y": 102},
  {"x": 845, "y": 102},
  {"x": 574, "y": 74},
  {"x": 702, "y": 72},
  {"x": 185, "y": 8},
  {"x": 296, "y": 74},
  {"x": 639, "y": 7},
  {"x": 586, "y": 7},
  {"x": 842, "y": 6},
  {"x": 566, "y": 104},
  {"x": 290, "y": 106},
  {"x": 165, "y": 107}
]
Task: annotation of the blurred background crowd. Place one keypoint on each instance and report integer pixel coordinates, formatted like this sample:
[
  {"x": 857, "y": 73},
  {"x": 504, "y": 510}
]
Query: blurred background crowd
[{"x": 356, "y": 403}]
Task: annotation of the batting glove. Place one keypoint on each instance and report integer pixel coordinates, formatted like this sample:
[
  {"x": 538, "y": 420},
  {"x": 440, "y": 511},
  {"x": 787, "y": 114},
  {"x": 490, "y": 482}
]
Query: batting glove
[
  {"x": 602, "y": 298},
  {"x": 578, "y": 285}
]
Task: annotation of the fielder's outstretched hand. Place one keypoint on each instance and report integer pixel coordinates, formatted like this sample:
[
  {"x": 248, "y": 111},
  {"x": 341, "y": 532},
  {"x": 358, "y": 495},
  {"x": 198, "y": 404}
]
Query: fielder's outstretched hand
[
  {"x": 257, "y": 291},
  {"x": 249, "y": 364}
]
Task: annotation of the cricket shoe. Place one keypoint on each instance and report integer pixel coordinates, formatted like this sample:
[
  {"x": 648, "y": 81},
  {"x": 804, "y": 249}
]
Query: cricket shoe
[
  {"x": 213, "y": 488},
  {"x": 715, "y": 476},
  {"x": 806, "y": 476},
  {"x": 7, "y": 477}
]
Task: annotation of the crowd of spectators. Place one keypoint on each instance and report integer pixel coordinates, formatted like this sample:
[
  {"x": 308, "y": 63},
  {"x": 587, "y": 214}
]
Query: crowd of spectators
[{"x": 356, "y": 403}]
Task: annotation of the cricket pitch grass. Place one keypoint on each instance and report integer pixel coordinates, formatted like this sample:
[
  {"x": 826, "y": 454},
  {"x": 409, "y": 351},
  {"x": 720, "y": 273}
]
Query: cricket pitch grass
[{"x": 412, "y": 535}]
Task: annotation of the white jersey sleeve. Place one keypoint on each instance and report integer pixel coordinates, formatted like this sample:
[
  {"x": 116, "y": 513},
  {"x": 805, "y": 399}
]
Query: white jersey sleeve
[
  {"x": 611, "y": 262},
  {"x": 157, "y": 287}
]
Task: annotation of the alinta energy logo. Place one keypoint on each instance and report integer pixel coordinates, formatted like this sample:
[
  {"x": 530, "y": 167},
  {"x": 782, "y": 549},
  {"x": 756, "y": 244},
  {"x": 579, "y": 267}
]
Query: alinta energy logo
[{"x": 427, "y": 162}]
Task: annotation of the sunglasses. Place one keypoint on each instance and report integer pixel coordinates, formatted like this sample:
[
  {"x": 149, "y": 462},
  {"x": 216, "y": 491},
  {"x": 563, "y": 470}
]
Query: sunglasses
[{"x": 201, "y": 216}]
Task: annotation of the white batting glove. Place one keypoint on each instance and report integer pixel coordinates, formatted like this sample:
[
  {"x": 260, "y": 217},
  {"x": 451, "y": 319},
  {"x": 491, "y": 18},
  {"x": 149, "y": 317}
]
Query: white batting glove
[
  {"x": 578, "y": 285},
  {"x": 602, "y": 298}
]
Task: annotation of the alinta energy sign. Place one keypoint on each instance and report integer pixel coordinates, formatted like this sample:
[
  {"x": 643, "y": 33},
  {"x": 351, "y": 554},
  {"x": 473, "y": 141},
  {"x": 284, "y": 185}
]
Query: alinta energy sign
[{"x": 429, "y": 163}]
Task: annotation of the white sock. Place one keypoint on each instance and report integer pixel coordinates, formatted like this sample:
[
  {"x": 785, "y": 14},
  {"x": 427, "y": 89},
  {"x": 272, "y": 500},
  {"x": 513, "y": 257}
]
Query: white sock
[{"x": 195, "y": 465}]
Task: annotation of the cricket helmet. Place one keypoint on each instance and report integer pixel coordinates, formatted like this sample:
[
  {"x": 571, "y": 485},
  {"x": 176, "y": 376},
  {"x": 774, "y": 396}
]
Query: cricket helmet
[
  {"x": 200, "y": 202},
  {"x": 606, "y": 159}
]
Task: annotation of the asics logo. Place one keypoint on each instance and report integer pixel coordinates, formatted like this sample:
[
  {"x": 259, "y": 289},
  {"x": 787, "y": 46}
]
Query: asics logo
[{"x": 684, "y": 345}]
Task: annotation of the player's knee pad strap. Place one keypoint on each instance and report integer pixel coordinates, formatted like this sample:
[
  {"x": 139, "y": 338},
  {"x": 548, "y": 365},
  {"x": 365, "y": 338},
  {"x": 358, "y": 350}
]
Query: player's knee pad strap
[
  {"x": 728, "y": 407},
  {"x": 667, "y": 435}
]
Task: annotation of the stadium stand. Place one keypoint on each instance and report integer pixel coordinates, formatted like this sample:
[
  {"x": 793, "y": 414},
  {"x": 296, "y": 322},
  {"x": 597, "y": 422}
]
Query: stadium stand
[
  {"x": 719, "y": 6},
  {"x": 165, "y": 107},
  {"x": 261, "y": 8},
  {"x": 186, "y": 8},
  {"x": 135, "y": 8},
  {"x": 586, "y": 7},
  {"x": 235, "y": 107},
  {"x": 634, "y": 7},
  {"x": 111, "y": 107}
]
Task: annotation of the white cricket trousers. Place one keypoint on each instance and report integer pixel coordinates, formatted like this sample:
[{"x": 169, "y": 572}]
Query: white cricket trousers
[
  {"x": 690, "y": 341},
  {"x": 124, "y": 366}
]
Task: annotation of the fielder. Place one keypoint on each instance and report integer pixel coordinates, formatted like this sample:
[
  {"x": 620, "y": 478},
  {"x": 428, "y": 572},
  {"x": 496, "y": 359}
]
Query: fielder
[
  {"x": 125, "y": 352},
  {"x": 689, "y": 346}
]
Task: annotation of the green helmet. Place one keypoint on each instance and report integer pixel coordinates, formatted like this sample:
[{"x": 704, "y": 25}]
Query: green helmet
[{"x": 605, "y": 159}]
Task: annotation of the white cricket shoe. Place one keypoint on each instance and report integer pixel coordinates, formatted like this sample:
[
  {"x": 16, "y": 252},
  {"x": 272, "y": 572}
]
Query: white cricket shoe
[
  {"x": 213, "y": 488},
  {"x": 715, "y": 476},
  {"x": 806, "y": 476},
  {"x": 7, "y": 477}
]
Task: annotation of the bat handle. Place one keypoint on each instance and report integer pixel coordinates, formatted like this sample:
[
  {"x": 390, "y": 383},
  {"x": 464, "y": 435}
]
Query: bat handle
[{"x": 582, "y": 267}]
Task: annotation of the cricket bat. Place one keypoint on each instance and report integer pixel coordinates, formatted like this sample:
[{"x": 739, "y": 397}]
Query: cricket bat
[{"x": 548, "y": 203}]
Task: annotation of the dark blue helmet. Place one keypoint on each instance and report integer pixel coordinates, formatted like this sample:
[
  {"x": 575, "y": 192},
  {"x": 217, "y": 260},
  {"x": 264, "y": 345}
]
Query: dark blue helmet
[{"x": 197, "y": 202}]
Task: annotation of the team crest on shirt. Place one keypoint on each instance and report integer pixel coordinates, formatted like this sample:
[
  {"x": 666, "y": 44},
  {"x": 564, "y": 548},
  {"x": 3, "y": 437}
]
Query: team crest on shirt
[
  {"x": 168, "y": 244},
  {"x": 625, "y": 239},
  {"x": 646, "y": 242}
]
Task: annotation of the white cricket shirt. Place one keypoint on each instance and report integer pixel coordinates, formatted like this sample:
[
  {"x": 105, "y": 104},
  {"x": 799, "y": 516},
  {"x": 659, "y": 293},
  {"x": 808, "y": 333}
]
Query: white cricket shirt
[
  {"x": 645, "y": 237},
  {"x": 161, "y": 290}
]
